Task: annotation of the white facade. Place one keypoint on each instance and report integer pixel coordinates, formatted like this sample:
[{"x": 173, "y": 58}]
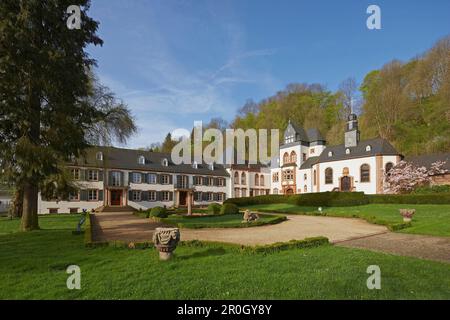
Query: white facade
[
  {"x": 138, "y": 190},
  {"x": 307, "y": 165}
]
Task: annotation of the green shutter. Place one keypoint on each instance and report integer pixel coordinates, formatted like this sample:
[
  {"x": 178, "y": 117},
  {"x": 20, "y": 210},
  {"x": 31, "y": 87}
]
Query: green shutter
[
  {"x": 171, "y": 196},
  {"x": 100, "y": 195},
  {"x": 130, "y": 195},
  {"x": 100, "y": 175},
  {"x": 83, "y": 195}
]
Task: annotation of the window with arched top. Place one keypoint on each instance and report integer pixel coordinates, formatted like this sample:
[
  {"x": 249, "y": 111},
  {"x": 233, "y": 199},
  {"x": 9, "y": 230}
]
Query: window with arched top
[
  {"x": 347, "y": 151},
  {"x": 243, "y": 178},
  {"x": 195, "y": 165},
  {"x": 256, "y": 180},
  {"x": 286, "y": 158},
  {"x": 369, "y": 148},
  {"x": 328, "y": 176},
  {"x": 293, "y": 157},
  {"x": 365, "y": 173},
  {"x": 99, "y": 156},
  {"x": 236, "y": 177},
  {"x": 141, "y": 160},
  {"x": 388, "y": 167},
  {"x": 261, "y": 180},
  {"x": 330, "y": 154},
  {"x": 165, "y": 162}
]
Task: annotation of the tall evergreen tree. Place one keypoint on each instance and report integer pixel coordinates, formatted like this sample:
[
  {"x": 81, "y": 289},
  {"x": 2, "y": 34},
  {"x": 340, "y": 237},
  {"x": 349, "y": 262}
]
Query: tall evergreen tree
[{"x": 45, "y": 90}]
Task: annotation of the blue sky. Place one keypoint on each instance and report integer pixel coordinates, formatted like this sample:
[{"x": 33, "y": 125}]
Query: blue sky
[{"x": 176, "y": 61}]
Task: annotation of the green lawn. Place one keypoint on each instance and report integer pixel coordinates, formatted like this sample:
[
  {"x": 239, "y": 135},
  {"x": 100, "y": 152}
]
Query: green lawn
[
  {"x": 429, "y": 219},
  {"x": 221, "y": 221},
  {"x": 32, "y": 266}
]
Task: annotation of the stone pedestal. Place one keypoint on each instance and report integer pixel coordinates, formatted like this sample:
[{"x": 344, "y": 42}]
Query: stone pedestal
[{"x": 166, "y": 240}]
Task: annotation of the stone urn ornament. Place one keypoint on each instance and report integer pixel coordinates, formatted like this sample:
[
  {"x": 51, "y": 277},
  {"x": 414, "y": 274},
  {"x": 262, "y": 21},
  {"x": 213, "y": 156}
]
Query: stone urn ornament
[
  {"x": 407, "y": 214},
  {"x": 166, "y": 240}
]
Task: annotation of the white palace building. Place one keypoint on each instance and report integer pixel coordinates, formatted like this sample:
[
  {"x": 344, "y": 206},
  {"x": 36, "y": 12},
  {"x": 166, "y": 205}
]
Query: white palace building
[{"x": 110, "y": 178}]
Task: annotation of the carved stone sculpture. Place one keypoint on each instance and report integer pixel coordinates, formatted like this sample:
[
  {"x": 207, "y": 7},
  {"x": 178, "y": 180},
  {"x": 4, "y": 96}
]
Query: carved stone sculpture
[
  {"x": 166, "y": 240},
  {"x": 250, "y": 216}
]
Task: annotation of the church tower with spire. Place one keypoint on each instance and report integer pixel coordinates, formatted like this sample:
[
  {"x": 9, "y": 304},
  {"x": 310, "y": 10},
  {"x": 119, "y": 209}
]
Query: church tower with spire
[{"x": 352, "y": 134}]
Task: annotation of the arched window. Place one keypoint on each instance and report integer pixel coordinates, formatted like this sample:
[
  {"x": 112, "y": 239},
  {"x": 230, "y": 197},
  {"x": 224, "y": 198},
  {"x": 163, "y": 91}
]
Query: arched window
[
  {"x": 141, "y": 160},
  {"x": 243, "y": 178},
  {"x": 195, "y": 165},
  {"x": 261, "y": 180},
  {"x": 388, "y": 167},
  {"x": 99, "y": 156},
  {"x": 165, "y": 162},
  {"x": 365, "y": 173},
  {"x": 256, "y": 180},
  {"x": 328, "y": 176},
  {"x": 286, "y": 158},
  {"x": 293, "y": 157},
  {"x": 236, "y": 177}
]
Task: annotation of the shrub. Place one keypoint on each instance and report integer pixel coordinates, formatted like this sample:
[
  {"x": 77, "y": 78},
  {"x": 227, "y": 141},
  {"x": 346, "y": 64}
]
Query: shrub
[
  {"x": 229, "y": 208},
  {"x": 432, "y": 189},
  {"x": 214, "y": 208},
  {"x": 158, "y": 212}
]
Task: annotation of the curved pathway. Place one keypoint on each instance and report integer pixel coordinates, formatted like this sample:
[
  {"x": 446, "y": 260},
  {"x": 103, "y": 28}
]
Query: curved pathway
[
  {"x": 345, "y": 232},
  {"x": 296, "y": 227}
]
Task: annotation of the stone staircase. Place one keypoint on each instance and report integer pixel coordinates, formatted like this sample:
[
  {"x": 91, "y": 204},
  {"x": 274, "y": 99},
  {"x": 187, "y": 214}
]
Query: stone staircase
[{"x": 115, "y": 209}]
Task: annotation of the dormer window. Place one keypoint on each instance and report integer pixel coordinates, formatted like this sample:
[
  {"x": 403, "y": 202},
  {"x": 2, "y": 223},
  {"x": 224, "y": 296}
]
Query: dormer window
[
  {"x": 99, "y": 156},
  {"x": 141, "y": 160},
  {"x": 330, "y": 154},
  {"x": 195, "y": 165},
  {"x": 347, "y": 151},
  {"x": 289, "y": 139},
  {"x": 369, "y": 148},
  {"x": 211, "y": 166},
  {"x": 165, "y": 162}
]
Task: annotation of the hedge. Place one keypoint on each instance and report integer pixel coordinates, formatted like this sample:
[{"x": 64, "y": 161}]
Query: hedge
[
  {"x": 432, "y": 198},
  {"x": 343, "y": 199},
  {"x": 322, "y": 199},
  {"x": 260, "y": 249}
]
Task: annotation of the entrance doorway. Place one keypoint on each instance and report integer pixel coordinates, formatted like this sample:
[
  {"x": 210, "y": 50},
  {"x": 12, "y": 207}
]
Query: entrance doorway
[
  {"x": 290, "y": 191},
  {"x": 183, "y": 198},
  {"x": 116, "y": 197},
  {"x": 346, "y": 184}
]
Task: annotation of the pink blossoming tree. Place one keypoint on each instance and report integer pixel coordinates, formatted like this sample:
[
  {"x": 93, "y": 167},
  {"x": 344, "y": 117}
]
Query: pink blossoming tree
[{"x": 405, "y": 176}]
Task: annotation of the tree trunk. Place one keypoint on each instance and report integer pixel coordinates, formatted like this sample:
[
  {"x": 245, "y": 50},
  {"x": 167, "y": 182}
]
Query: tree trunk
[
  {"x": 30, "y": 203},
  {"x": 30, "y": 188},
  {"x": 16, "y": 208}
]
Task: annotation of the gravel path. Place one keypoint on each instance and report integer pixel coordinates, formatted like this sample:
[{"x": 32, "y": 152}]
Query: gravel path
[
  {"x": 296, "y": 227},
  {"x": 345, "y": 232},
  {"x": 419, "y": 246}
]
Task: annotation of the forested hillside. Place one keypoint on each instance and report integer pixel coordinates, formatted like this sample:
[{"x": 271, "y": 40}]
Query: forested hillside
[{"x": 407, "y": 103}]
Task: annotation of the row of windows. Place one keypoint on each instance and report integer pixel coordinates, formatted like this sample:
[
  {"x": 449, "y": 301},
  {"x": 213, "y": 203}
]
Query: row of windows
[
  {"x": 253, "y": 192},
  {"x": 138, "y": 195},
  {"x": 208, "y": 196},
  {"x": 91, "y": 175},
  {"x": 259, "y": 179},
  {"x": 208, "y": 181},
  {"x": 288, "y": 175}
]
